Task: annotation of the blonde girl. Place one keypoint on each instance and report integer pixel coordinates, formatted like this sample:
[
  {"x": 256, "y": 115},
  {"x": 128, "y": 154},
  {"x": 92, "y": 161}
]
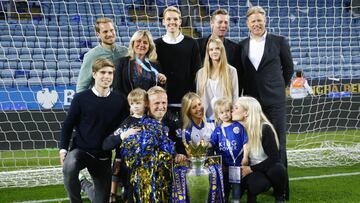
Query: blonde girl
[{"x": 217, "y": 78}]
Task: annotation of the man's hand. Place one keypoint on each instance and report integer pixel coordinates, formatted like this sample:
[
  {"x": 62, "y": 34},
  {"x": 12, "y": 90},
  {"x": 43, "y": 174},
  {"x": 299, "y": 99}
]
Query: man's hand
[
  {"x": 130, "y": 131},
  {"x": 62, "y": 155}
]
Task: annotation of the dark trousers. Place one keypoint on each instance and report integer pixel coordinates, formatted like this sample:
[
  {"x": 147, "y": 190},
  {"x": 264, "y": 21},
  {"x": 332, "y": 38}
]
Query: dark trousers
[
  {"x": 259, "y": 182},
  {"x": 277, "y": 115},
  {"x": 100, "y": 171}
]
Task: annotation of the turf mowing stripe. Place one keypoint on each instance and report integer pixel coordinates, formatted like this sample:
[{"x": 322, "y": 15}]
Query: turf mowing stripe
[
  {"x": 325, "y": 176},
  {"x": 291, "y": 179}
]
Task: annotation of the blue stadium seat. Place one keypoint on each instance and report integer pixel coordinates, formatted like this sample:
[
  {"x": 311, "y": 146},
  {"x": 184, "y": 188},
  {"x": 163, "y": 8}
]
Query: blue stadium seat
[
  {"x": 34, "y": 81},
  {"x": 21, "y": 82},
  {"x": 73, "y": 81},
  {"x": 39, "y": 65},
  {"x": 24, "y": 65},
  {"x": 7, "y": 73},
  {"x": 49, "y": 73},
  {"x": 50, "y": 65},
  {"x": 48, "y": 81},
  {"x": 63, "y": 65},
  {"x": 35, "y": 73},
  {"x": 62, "y": 81},
  {"x": 62, "y": 73},
  {"x": 6, "y": 82}
]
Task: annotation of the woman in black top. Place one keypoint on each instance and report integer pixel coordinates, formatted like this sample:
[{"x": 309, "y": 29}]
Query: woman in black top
[
  {"x": 265, "y": 169},
  {"x": 140, "y": 68}
]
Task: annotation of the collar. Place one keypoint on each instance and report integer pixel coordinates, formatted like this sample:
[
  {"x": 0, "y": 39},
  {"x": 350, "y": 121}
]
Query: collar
[
  {"x": 93, "y": 89},
  {"x": 170, "y": 40},
  {"x": 198, "y": 127},
  {"x": 262, "y": 37}
]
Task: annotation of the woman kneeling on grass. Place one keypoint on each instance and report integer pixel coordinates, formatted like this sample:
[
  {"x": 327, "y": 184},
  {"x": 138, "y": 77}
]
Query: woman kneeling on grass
[{"x": 266, "y": 169}]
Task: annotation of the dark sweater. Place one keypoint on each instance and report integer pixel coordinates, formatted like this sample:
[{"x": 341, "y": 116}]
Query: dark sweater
[
  {"x": 114, "y": 140},
  {"x": 93, "y": 119},
  {"x": 179, "y": 63}
]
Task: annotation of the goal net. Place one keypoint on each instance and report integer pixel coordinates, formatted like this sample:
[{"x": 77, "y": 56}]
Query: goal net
[{"x": 42, "y": 44}]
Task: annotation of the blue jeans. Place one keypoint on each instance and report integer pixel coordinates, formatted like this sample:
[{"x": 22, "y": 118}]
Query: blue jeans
[
  {"x": 100, "y": 171},
  {"x": 235, "y": 191}
]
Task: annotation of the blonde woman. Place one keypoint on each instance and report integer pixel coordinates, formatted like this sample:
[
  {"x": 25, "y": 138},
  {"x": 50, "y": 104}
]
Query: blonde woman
[
  {"x": 195, "y": 126},
  {"x": 139, "y": 69},
  {"x": 217, "y": 78},
  {"x": 265, "y": 169}
]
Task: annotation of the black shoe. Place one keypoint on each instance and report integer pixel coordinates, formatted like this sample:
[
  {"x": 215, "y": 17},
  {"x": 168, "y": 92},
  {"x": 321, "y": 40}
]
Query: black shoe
[{"x": 280, "y": 199}]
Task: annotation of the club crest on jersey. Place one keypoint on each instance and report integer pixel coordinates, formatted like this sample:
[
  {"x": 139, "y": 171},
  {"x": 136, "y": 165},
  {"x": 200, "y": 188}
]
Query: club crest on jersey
[{"x": 236, "y": 130}]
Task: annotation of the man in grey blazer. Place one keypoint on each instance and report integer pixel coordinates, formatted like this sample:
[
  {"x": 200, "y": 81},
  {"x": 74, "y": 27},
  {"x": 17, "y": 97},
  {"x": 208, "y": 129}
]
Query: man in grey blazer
[{"x": 266, "y": 67}]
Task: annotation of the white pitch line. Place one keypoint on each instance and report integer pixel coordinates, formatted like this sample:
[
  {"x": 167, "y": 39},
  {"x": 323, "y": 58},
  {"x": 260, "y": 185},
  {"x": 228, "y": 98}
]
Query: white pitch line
[
  {"x": 50, "y": 200},
  {"x": 291, "y": 179},
  {"x": 46, "y": 200},
  {"x": 325, "y": 176}
]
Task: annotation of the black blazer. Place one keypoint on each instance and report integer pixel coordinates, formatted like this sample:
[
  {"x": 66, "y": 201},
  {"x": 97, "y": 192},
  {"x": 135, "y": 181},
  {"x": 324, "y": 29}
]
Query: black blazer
[{"x": 267, "y": 84}]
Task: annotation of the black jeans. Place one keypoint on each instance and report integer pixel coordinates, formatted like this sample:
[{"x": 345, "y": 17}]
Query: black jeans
[{"x": 99, "y": 169}]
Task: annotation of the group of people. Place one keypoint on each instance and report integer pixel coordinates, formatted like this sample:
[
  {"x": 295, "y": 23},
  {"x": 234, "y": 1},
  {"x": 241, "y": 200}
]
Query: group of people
[{"x": 230, "y": 95}]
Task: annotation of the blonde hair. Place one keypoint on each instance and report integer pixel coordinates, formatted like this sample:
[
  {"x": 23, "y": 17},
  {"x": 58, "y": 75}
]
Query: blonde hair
[
  {"x": 151, "y": 54},
  {"x": 254, "y": 122},
  {"x": 255, "y": 9},
  {"x": 224, "y": 75},
  {"x": 155, "y": 90},
  {"x": 219, "y": 105},
  {"x": 186, "y": 102},
  {"x": 101, "y": 63},
  {"x": 173, "y": 9},
  {"x": 137, "y": 94},
  {"x": 102, "y": 20}
]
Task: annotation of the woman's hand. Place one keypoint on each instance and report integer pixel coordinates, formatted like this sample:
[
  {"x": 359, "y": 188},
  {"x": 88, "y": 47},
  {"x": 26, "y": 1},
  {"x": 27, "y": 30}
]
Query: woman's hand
[
  {"x": 245, "y": 170},
  {"x": 161, "y": 78}
]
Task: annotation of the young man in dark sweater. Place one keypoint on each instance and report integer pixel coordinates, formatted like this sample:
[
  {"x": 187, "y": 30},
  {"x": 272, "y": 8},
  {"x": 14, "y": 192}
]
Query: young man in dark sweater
[
  {"x": 179, "y": 56},
  {"x": 94, "y": 114}
]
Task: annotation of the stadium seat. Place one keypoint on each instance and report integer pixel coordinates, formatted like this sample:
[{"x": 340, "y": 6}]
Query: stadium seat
[
  {"x": 35, "y": 73},
  {"x": 34, "y": 81},
  {"x": 21, "y": 82},
  {"x": 7, "y": 73},
  {"x": 73, "y": 80},
  {"x": 48, "y": 81},
  {"x": 49, "y": 73},
  {"x": 6, "y": 82},
  {"x": 62, "y": 73},
  {"x": 62, "y": 81}
]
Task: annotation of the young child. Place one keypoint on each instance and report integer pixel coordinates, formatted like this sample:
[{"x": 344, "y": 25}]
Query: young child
[
  {"x": 137, "y": 100},
  {"x": 228, "y": 140}
]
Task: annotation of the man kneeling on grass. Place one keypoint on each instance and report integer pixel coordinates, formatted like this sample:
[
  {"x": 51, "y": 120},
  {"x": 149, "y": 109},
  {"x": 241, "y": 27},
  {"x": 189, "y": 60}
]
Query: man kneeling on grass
[{"x": 94, "y": 114}]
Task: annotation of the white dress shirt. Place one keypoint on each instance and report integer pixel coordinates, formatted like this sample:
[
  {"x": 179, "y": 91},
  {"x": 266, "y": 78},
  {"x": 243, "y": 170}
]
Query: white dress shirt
[{"x": 256, "y": 50}]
